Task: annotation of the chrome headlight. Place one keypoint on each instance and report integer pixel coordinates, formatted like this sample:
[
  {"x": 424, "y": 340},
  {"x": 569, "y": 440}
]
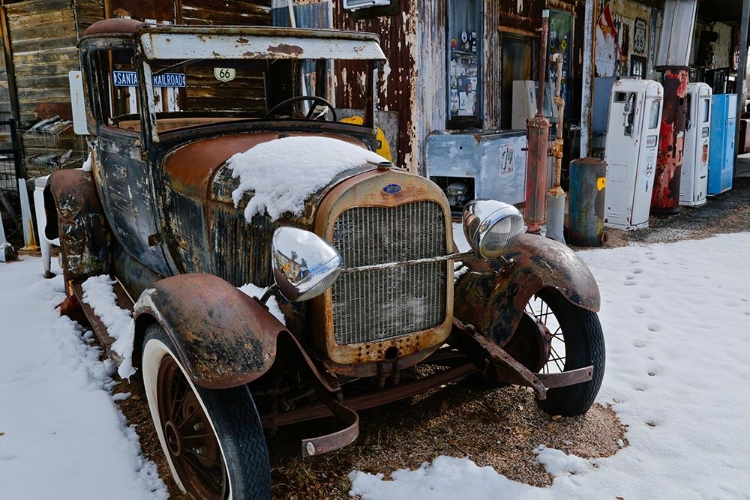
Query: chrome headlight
[
  {"x": 491, "y": 227},
  {"x": 304, "y": 265}
]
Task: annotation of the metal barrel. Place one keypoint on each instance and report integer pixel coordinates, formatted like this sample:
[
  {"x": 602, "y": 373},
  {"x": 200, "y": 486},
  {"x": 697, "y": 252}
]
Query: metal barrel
[{"x": 588, "y": 180}]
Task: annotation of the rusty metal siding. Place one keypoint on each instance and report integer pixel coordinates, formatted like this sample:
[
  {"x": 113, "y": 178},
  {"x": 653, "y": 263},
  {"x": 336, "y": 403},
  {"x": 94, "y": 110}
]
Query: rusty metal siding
[
  {"x": 237, "y": 12},
  {"x": 398, "y": 78},
  {"x": 523, "y": 18},
  {"x": 491, "y": 66}
]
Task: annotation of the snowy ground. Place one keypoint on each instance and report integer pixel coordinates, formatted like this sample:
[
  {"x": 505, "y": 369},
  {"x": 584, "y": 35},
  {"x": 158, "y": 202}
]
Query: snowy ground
[{"x": 675, "y": 321}]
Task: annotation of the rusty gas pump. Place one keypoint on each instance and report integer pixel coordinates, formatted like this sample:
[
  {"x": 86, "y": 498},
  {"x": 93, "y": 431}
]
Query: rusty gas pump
[
  {"x": 674, "y": 54},
  {"x": 537, "y": 135}
]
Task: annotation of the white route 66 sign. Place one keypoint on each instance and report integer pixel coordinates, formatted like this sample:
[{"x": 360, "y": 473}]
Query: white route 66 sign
[{"x": 225, "y": 74}]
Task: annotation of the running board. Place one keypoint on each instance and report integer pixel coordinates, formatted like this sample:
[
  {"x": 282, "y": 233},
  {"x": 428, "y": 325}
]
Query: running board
[{"x": 100, "y": 330}]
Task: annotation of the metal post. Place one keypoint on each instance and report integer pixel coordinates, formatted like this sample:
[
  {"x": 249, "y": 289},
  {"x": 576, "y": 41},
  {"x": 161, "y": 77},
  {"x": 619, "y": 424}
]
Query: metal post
[
  {"x": 537, "y": 134},
  {"x": 587, "y": 92},
  {"x": 3, "y": 243},
  {"x": 739, "y": 82}
]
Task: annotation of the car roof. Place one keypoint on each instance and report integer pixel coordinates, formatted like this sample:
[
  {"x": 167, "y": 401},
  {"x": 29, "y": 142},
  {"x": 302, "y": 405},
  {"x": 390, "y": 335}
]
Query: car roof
[{"x": 239, "y": 42}]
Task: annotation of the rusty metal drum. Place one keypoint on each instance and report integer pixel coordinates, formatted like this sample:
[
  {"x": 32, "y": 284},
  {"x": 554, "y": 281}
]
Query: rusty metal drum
[{"x": 588, "y": 179}]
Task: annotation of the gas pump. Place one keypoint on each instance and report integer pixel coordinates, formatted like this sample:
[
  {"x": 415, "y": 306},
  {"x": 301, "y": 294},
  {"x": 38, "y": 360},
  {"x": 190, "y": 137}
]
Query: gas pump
[
  {"x": 694, "y": 181},
  {"x": 630, "y": 151}
]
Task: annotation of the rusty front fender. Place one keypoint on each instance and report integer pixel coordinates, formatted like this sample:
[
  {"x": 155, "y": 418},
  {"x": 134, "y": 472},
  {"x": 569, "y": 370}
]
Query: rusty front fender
[
  {"x": 224, "y": 338},
  {"x": 75, "y": 214},
  {"x": 493, "y": 299}
]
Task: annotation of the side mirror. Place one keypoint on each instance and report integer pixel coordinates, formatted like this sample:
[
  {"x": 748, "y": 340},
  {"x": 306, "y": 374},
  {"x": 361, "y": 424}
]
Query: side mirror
[
  {"x": 491, "y": 227},
  {"x": 304, "y": 265}
]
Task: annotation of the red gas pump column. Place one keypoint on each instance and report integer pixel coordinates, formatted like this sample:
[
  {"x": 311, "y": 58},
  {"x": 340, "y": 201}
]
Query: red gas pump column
[
  {"x": 665, "y": 198},
  {"x": 537, "y": 158},
  {"x": 673, "y": 58}
]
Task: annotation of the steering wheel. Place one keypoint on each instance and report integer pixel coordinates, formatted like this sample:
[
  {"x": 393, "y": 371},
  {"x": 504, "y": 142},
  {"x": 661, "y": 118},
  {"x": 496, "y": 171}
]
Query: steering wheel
[{"x": 311, "y": 115}]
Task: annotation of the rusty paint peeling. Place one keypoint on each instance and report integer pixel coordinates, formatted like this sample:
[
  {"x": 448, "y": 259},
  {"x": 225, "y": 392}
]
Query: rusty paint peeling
[
  {"x": 285, "y": 49},
  {"x": 665, "y": 197}
]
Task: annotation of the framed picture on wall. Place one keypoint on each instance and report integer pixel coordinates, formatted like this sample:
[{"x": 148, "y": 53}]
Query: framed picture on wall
[{"x": 638, "y": 66}]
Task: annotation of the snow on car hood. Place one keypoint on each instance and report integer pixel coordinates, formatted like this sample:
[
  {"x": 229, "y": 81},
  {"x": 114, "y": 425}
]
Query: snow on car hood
[{"x": 285, "y": 172}]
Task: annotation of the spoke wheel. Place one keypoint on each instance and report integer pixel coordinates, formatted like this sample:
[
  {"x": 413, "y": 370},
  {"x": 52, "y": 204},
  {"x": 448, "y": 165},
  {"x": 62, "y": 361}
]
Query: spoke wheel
[
  {"x": 193, "y": 447},
  {"x": 574, "y": 340},
  {"x": 213, "y": 439}
]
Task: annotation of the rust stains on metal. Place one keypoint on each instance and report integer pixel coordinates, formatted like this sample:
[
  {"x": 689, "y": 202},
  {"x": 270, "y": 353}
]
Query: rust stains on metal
[
  {"x": 665, "y": 197},
  {"x": 85, "y": 238},
  {"x": 466, "y": 337},
  {"x": 225, "y": 337},
  {"x": 398, "y": 77},
  {"x": 588, "y": 177},
  {"x": 190, "y": 168},
  {"x": 285, "y": 49},
  {"x": 493, "y": 299},
  {"x": 366, "y": 190},
  {"x": 371, "y": 399}
]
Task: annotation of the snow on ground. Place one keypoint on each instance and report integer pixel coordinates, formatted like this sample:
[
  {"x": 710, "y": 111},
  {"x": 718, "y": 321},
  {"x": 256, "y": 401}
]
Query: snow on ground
[
  {"x": 675, "y": 321},
  {"x": 61, "y": 435}
]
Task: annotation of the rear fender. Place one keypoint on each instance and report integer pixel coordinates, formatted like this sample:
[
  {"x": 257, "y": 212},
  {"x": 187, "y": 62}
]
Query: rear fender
[
  {"x": 224, "y": 338},
  {"x": 75, "y": 215},
  {"x": 493, "y": 299}
]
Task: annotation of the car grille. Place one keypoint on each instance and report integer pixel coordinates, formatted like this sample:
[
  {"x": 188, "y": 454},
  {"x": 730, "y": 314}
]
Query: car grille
[{"x": 388, "y": 303}]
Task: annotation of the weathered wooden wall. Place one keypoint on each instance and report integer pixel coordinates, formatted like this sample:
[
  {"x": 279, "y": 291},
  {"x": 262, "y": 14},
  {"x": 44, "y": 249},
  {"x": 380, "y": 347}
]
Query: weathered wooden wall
[{"x": 43, "y": 35}]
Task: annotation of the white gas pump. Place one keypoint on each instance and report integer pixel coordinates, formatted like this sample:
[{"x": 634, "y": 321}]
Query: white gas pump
[
  {"x": 630, "y": 151},
  {"x": 694, "y": 180}
]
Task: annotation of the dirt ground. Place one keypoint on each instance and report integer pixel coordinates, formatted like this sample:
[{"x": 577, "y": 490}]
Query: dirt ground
[
  {"x": 494, "y": 427},
  {"x": 497, "y": 428}
]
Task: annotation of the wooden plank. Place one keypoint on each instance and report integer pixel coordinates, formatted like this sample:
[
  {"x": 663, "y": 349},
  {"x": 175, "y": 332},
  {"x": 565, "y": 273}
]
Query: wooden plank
[
  {"x": 42, "y": 32},
  {"x": 61, "y": 54},
  {"x": 41, "y": 44},
  {"x": 34, "y": 71},
  {"x": 48, "y": 19},
  {"x": 43, "y": 83},
  {"x": 35, "y": 6}
]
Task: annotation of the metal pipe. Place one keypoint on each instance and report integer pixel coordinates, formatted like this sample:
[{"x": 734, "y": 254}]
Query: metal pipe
[{"x": 557, "y": 149}]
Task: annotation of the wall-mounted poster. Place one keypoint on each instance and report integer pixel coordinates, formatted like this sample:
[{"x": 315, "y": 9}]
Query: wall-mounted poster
[
  {"x": 607, "y": 51},
  {"x": 638, "y": 66}
]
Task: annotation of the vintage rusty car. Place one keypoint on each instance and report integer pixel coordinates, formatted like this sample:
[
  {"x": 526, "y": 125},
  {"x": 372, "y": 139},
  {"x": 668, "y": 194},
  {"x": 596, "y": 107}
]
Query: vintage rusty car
[{"x": 217, "y": 161}]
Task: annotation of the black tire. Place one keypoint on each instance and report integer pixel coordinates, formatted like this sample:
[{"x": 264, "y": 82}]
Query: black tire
[
  {"x": 213, "y": 439},
  {"x": 577, "y": 341}
]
